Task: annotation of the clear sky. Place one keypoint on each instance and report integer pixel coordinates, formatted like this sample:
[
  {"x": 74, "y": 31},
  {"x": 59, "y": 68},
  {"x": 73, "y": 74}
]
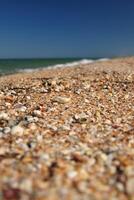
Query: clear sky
[{"x": 66, "y": 28}]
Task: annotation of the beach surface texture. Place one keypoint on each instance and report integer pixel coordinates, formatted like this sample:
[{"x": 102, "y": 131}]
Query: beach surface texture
[{"x": 68, "y": 133}]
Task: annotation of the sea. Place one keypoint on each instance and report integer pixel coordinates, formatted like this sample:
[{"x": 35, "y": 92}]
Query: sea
[{"x": 10, "y": 66}]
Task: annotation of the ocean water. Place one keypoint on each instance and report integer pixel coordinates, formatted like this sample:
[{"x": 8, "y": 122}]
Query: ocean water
[{"x": 9, "y": 66}]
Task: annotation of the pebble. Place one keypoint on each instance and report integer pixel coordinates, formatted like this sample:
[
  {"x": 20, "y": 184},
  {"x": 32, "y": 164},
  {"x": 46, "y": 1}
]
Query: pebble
[
  {"x": 17, "y": 130},
  {"x": 18, "y": 141},
  {"x": 4, "y": 116},
  {"x": 23, "y": 146},
  {"x": 44, "y": 156},
  {"x": 77, "y": 157},
  {"x": 22, "y": 109},
  {"x": 3, "y": 150},
  {"x": 32, "y": 126},
  {"x": 37, "y": 113},
  {"x": 8, "y": 104},
  {"x": 54, "y": 128},
  {"x": 28, "y": 97},
  {"x": 72, "y": 174},
  {"x": 81, "y": 118},
  {"x": 130, "y": 186},
  {"x": 7, "y": 130},
  {"x": 31, "y": 119},
  {"x": 61, "y": 99},
  {"x": 129, "y": 171},
  {"x": 64, "y": 128},
  {"x": 26, "y": 185},
  {"x": 1, "y": 134},
  {"x": 39, "y": 138}
]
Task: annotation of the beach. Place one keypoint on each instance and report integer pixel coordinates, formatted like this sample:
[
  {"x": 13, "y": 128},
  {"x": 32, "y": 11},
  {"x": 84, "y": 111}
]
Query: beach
[{"x": 68, "y": 133}]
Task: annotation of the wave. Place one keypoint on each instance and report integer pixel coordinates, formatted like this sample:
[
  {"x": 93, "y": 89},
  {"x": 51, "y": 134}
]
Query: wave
[
  {"x": 69, "y": 64},
  {"x": 103, "y": 59},
  {"x": 80, "y": 62}
]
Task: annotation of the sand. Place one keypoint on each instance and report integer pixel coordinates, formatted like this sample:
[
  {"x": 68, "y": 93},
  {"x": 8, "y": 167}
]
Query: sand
[{"x": 68, "y": 133}]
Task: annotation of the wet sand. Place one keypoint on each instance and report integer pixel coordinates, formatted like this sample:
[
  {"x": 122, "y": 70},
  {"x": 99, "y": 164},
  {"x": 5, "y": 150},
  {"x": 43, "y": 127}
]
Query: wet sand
[{"x": 68, "y": 133}]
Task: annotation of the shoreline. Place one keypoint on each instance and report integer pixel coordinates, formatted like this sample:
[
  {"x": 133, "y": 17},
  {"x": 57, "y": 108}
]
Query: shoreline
[
  {"x": 73, "y": 63},
  {"x": 67, "y": 133},
  {"x": 69, "y": 63}
]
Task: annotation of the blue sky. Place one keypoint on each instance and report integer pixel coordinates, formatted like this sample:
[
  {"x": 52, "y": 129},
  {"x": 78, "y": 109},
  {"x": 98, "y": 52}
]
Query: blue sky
[{"x": 66, "y": 28}]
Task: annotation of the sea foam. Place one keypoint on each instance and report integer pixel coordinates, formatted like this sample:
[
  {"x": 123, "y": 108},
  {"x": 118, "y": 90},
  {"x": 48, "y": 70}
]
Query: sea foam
[
  {"x": 69, "y": 64},
  {"x": 80, "y": 62}
]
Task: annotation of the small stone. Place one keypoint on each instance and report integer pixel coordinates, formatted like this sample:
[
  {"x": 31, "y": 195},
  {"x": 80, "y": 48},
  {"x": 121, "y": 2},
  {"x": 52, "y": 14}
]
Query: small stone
[
  {"x": 23, "y": 146},
  {"x": 20, "y": 140},
  {"x": 118, "y": 120},
  {"x": 1, "y": 134},
  {"x": 9, "y": 98},
  {"x": 53, "y": 82},
  {"x": 43, "y": 90},
  {"x": 31, "y": 119},
  {"x": 32, "y": 126},
  {"x": 86, "y": 101},
  {"x": 54, "y": 128},
  {"x": 103, "y": 157},
  {"x": 65, "y": 128},
  {"x": 72, "y": 174},
  {"x": 82, "y": 186},
  {"x": 130, "y": 77},
  {"x": 129, "y": 171},
  {"x": 3, "y": 150},
  {"x": 22, "y": 109},
  {"x": 86, "y": 86},
  {"x": 77, "y": 91},
  {"x": 8, "y": 104},
  {"x": 77, "y": 157},
  {"x": 13, "y": 92},
  {"x": 71, "y": 133},
  {"x": 81, "y": 118},
  {"x": 39, "y": 138},
  {"x": 17, "y": 130},
  {"x": 4, "y": 116},
  {"x": 83, "y": 174},
  {"x": 44, "y": 156},
  {"x": 37, "y": 113},
  {"x": 60, "y": 99},
  {"x": 26, "y": 185},
  {"x": 126, "y": 96},
  {"x": 7, "y": 130},
  {"x": 28, "y": 97},
  {"x": 120, "y": 187},
  {"x": 105, "y": 87},
  {"x": 108, "y": 122},
  {"x": 130, "y": 186}
]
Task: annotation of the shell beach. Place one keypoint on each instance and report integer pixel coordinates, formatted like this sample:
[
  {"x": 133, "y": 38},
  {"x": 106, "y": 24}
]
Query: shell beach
[{"x": 68, "y": 133}]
